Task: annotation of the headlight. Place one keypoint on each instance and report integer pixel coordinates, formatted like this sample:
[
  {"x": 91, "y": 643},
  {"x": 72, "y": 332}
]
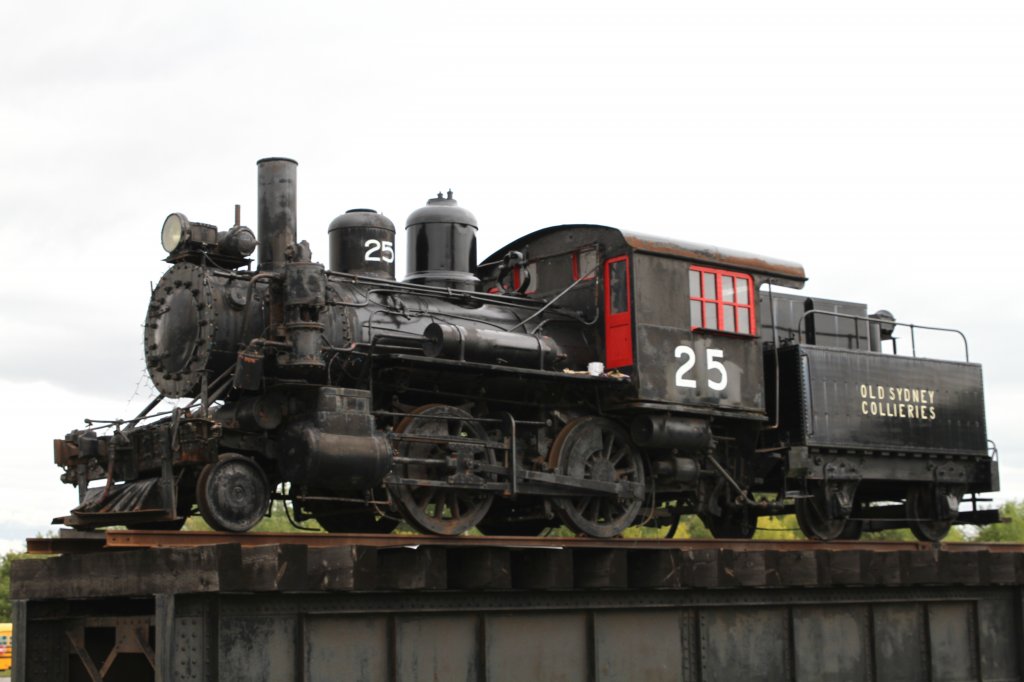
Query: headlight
[
  {"x": 238, "y": 242},
  {"x": 174, "y": 232}
]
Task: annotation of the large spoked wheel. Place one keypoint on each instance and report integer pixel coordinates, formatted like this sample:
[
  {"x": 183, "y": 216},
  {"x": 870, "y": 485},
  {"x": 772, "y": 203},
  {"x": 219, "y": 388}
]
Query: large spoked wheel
[
  {"x": 233, "y": 493},
  {"x": 597, "y": 449},
  {"x": 448, "y": 446},
  {"x": 925, "y": 506}
]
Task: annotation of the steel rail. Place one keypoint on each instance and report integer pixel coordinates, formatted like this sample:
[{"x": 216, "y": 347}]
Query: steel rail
[{"x": 138, "y": 539}]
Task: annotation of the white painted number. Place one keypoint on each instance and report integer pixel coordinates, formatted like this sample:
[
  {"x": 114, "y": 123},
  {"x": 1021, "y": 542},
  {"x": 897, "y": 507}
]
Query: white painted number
[
  {"x": 378, "y": 251},
  {"x": 715, "y": 365},
  {"x": 712, "y": 360},
  {"x": 691, "y": 360}
]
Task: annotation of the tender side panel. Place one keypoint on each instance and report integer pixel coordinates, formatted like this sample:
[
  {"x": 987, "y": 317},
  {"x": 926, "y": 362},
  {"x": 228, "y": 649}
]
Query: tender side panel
[
  {"x": 839, "y": 398},
  {"x": 792, "y": 322}
]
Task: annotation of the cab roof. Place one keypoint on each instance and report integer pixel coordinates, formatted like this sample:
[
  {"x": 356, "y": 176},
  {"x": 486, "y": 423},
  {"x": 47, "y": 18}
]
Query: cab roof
[{"x": 776, "y": 271}]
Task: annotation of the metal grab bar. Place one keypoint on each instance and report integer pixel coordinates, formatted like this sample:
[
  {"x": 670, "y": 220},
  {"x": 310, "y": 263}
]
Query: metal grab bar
[{"x": 871, "y": 320}]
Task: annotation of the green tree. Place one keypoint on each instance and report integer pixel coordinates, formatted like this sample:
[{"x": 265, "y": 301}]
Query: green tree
[
  {"x": 5, "y": 583},
  {"x": 1011, "y": 531},
  {"x": 778, "y": 528}
]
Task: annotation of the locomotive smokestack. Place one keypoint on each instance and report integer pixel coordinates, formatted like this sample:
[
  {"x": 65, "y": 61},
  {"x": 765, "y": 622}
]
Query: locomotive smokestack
[{"x": 277, "y": 210}]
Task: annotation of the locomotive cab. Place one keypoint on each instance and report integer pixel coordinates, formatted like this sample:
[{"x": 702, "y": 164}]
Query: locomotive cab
[{"x": 679, "y": 319}]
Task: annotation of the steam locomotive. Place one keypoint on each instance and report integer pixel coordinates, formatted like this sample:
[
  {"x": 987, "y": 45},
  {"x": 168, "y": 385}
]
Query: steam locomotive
[{"x": 582, "y": 375}]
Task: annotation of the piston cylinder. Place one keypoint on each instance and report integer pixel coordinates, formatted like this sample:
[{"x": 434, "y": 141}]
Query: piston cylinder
[
  {"x": 685, "y": 434},
  {"x": 343, "y": 462}
]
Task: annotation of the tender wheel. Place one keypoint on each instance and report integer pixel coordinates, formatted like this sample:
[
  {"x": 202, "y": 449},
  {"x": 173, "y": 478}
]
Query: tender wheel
[
  {"x": 450, "y": 445},
  {"x": 815, "y": 523},
  {"x": 931, "y": 512},
  {"x": 821, "y": 520},
  {"x": 597, "y": 449},
  {"x": 233, "y": 493}
]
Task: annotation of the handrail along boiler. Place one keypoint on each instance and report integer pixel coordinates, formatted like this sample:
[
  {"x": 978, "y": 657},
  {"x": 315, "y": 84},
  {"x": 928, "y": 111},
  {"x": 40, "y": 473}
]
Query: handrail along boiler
[{"x": 461, "y": 397}]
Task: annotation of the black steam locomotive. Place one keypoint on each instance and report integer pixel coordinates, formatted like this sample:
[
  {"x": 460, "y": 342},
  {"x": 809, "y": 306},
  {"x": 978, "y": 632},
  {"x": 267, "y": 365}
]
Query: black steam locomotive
[{"x": 582, "y": 375}]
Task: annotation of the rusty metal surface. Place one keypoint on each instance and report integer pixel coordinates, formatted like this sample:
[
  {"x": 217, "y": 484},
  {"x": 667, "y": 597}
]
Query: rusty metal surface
[
  {"x": 493, "y": 608},
  {"x": 924, "y": 633},
  {"x": 791, "y": 273},
  {"x": 703, "y": 253},
  {"x": 114, "y": 539}
]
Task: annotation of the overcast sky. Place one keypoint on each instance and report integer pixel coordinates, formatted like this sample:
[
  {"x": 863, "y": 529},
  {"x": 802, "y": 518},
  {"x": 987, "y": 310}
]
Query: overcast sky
[{"x": 880, "y": 144}]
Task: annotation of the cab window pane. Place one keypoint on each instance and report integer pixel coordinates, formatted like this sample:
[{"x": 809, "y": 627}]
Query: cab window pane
[
  {"x": 696, "y": 320},
  {"x": 728, "y": 289},
  {"x": 617, "y": 286},
  {"x": 710, "y": 316},
  {"x": 742, "y": 295},
  {"x": 729, "y": 318},
  {"x": 709, "y": 285},
  {"x": 586, "y": 264},
  {"x": 694, "y": 284},
  {"x": 744, "y": 322}
]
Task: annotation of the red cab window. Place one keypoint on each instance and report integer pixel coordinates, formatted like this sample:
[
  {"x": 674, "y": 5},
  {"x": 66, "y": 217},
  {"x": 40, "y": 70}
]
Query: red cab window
[{"x": 721, "y": 300}]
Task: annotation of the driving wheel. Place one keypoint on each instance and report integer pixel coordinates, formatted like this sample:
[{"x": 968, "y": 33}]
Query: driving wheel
[
  {"x": 442, "y": 446},
  {"x": 598, "y": 449}
]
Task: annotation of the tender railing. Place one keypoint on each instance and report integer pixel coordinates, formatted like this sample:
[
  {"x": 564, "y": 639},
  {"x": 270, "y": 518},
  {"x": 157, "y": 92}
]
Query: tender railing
[{"x": 878, "y": 323}]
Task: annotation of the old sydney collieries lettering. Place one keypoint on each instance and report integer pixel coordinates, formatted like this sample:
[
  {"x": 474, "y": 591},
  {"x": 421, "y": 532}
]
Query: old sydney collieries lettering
[{"x": 897, "y": 401}]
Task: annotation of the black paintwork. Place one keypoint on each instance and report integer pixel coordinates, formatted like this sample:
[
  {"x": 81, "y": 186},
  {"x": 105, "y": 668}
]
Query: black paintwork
[{"x": 313, "y": 375}]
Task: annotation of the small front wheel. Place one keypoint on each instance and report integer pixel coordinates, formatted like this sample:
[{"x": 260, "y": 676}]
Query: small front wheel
[{"x": 233, "y": 493}]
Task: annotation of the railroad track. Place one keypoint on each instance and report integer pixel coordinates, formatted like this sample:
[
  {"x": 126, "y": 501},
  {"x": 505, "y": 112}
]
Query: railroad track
[{"x": 72, "y": 542}]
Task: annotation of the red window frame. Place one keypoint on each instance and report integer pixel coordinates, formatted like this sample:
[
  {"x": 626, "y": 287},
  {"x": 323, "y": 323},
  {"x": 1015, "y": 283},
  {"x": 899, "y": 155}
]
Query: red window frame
[{"x": 724, "y": 308}]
